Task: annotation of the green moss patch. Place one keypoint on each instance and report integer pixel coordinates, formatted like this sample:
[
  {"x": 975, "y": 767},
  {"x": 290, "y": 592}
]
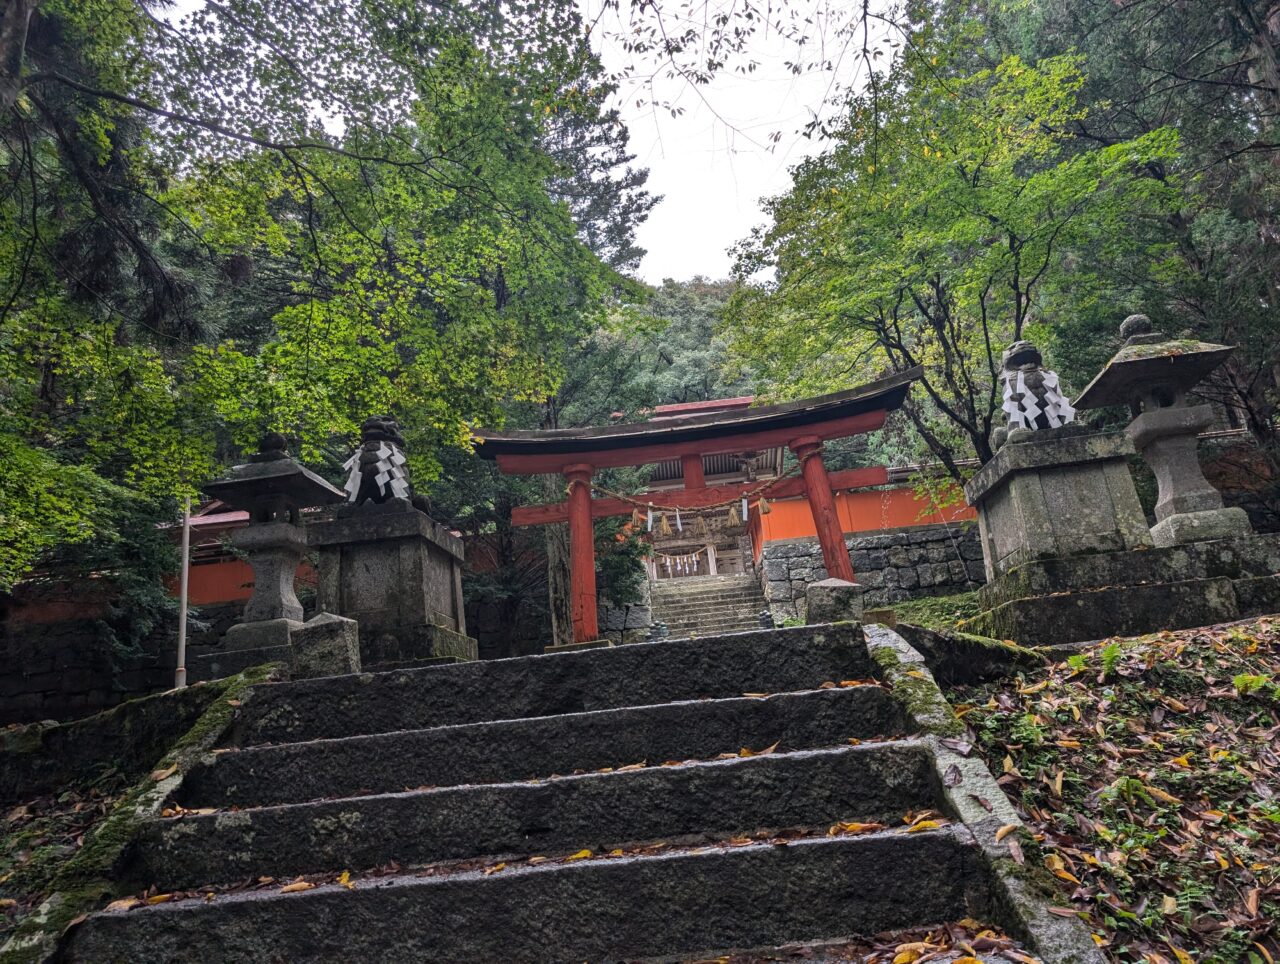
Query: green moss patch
[
  {"x": 940, "y": 613},
  {"x": 63, "y": 856}
]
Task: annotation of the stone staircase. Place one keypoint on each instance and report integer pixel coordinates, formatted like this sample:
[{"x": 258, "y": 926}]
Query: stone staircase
[
  {"x": 669, "y": 800},
  {"x": 708, "y": 605}
]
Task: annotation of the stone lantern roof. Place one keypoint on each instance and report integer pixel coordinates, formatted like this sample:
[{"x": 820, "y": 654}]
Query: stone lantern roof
[
  {"x": 272, "y": 477},
  {"x": 1148, "y": 360}
]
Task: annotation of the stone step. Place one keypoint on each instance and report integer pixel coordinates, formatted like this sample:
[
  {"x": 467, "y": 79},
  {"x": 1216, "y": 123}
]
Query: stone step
[
  {"x": 596, "y": 811},
  {"x": 597, "y": 909},
  {"x": 693, "y": 616},
  {"x": 685, "y": 590},
  {"x": 667, "y": 599},
  {"x": 641, "y": 674},
  {"x": 718, "y": 606},
  {"x": 523, "y": 749}
]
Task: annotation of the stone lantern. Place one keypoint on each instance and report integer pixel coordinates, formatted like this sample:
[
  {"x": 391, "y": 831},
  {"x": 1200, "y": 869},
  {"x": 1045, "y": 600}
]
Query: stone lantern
[
  {"x": 1152, "y": 374},
  {"x": 273, "y": 489}
]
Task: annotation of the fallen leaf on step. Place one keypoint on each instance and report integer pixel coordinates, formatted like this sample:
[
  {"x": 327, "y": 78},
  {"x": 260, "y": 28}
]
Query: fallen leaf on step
[
  {"x": 756, "y": 696},
  {"x": 747, "y": 751},
  {"x": 580, "y": 855},
  {"x": 124, "y": 903},
  {"x": 842, "y": 827},
  {"x": 495, "y": 869},
  {"x": 1004, "y": 831},
  {"x": 164, "y": 774},
  {"x": 1015, "y": 851},
  {"x": 850, "y": 683},
  {"x": 828, "y": 685},
  {"x": 924, "y": 825},
  {"x": 963, "y": 747},
  {"x": 344, "y": 879},
  {"x": 233, "y": 702},
  {"x": 538, "y": 860},
  {"x": 952, "y": 777},
  {"x": 296, "y": 886},
  {"x": 160, "y": 898},
  {"x": 634, "y": 766}
]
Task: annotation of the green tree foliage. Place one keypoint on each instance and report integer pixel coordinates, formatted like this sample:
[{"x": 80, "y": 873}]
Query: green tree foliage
[
  {"x": 262, "y": 215},
  {"x": 950, "y": 214}
]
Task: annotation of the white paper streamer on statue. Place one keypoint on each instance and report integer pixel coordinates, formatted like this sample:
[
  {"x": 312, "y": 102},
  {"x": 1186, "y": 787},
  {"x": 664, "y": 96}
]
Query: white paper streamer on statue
[
  {"x": 744, "y": 508},
  {"x": 679, "y": 527},
  {"x": 390, "y": 476},
  {"x": 1024, "y": 413},
  {"x": 649, "y": 523}
]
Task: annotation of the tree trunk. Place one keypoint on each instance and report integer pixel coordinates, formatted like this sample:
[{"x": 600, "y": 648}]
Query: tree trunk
[{"x": 13, "y": 47}]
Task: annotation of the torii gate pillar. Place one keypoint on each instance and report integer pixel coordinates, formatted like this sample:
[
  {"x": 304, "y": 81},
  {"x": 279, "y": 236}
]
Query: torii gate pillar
[
  {"x": 822, "y": 503},
  {"x": 582, "y": 553}
]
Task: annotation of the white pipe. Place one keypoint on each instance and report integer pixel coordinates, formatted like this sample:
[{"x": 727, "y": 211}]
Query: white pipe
[{"x": 180, "y": 675}]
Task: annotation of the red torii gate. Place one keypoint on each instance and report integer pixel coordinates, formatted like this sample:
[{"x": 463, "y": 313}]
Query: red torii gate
[{"x": 802, "y": 426}]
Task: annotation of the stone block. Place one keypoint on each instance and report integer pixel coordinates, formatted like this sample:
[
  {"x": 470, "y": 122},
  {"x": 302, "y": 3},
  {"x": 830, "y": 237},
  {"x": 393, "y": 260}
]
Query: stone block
[
  {"x": 908, "y": 579},
  {"x": 897, "y": 557},
  {"x": 777, "y": 589},
  {"x": 833, "y": 601},
  {"x": 871, "y": 578},
  {"x": 877, "y": 559},
  {"x": 861, "y": 560},
  {"x": 917, "y": 555},
  {"x": 1201, "y": 526},
  {"x": 776, "y": 570},
  {"x": 802, "y": 574},
  {"x": 264, "y": 634},
  {"x": 924, "y": 576},
  {"x": 325, "y": 645},
  {"x": 1071, "y": 617},
  {"x": 939, "y": 553}
]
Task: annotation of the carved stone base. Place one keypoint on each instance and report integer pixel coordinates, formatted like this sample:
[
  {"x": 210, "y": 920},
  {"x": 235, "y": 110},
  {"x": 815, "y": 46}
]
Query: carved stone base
[{"x": 1201, "y": 526}]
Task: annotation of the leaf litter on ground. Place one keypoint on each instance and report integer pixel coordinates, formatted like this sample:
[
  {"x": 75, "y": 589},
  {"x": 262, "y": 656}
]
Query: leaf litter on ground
[{"x": 1146, "y": 770}]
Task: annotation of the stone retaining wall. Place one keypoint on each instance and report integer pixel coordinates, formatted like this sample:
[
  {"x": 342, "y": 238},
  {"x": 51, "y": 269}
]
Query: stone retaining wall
[
  {"x": 69, "y": 669},
  {"x": 933, "y": 560}
]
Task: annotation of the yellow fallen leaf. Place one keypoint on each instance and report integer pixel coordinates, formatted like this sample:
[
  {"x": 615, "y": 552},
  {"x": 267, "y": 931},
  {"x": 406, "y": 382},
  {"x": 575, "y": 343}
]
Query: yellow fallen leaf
[
  {"x": 124, "y": 903},
  {"x": 853, "y": 827},
  {"x": 1162, "y": 796},
  {"x": 296, "y": 886},
  {"x": 924, "y": 825},
  {"x": 495, "y": 869},
  {"x": 160, "y": 898},
  {"x": 1169, "y": 905},
  {"x": 967, "y": 959},
  {"x": 616, "y": 853},
  {"x": 1004, "y": 831},
  {"x": 1054, "y": 862},
  {"x": 538, "y": 860},
  {"x": 1028, "y": 690},
  {"x": 580, "y": 855},
  {"x": 747, "y": 751},
  {"x": 850, "y": 683},
  {"x": 756, "y": 696},
  {"x": 1182, "y": 956},
  {"x": 633, "y": 766},
  {"x": 344, "y": 879}
]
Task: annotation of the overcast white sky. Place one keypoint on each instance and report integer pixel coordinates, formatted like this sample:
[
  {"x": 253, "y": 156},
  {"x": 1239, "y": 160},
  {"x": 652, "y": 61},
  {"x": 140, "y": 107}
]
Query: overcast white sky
[{"x": 712, "y": 171}]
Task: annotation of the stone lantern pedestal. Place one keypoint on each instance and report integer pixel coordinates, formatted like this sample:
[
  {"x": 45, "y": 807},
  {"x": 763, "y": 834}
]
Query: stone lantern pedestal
[{"x": 1189, "y": 509}]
